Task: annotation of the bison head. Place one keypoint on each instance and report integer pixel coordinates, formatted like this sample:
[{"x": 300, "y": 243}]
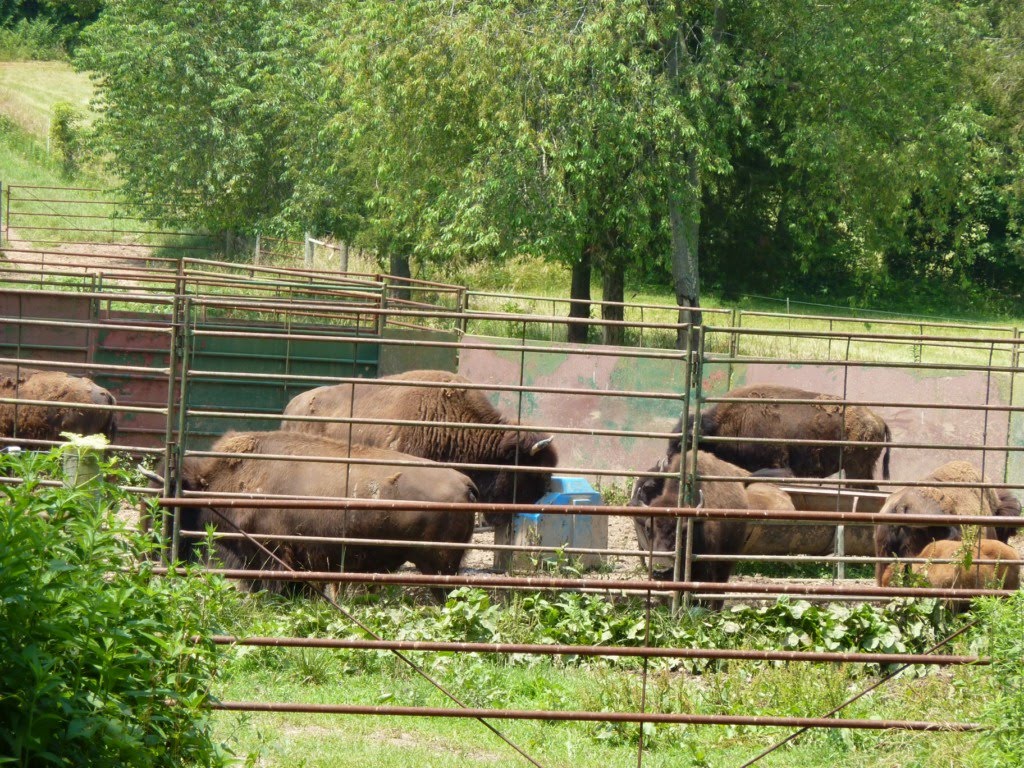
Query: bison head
[
  {"x": 504, "y": 486},
  {"x": 1009, "y": 506},
  {"x": 908, "y": 540}
]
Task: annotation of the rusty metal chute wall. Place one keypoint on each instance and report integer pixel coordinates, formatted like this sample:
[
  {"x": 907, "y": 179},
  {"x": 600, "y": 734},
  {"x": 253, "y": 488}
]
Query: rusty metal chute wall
[
  {"x": 89, "y": 329},
  {"x": 977, "y": 424}
]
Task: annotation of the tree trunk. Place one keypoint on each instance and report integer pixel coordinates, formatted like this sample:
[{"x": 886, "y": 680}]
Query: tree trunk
[
  {"x": 580, "y": 295},
  {"x": 685, "y": 266},
  {"x": 398, "y": 266},
  {"x": 613, "y": 284}
]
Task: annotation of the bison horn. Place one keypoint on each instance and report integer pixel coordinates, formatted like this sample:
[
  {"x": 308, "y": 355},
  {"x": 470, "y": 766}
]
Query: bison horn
[
  {"x": 540, "y": 445},
  {"x": 151, "y": 475}
]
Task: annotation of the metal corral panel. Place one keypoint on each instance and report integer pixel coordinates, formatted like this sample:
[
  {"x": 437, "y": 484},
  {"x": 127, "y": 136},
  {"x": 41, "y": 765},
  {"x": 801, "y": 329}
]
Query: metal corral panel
[
  {"x": 215, "y": 361},
  {"x": 398, "y": 358},
  {"x": 604, "y": 371},
  {"x": 60, "y": 343}
]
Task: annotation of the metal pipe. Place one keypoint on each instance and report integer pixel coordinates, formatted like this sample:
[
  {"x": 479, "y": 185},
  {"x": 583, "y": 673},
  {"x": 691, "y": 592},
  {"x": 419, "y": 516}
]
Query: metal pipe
[
  {"x": 587, "y": 509},
  {"x": 541, "y": 649},
  {"x": 720, "y": 589},
  {"x": 594, "y": 717}
]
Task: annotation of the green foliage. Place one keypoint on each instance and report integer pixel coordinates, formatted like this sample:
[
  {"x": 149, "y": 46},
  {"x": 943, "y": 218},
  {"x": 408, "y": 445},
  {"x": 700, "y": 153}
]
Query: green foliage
[
  {"x": 100, "y": 666},
  {"x": 853, "y": 150},
  {"x": 1003, "y": 622},
  {"x": 191, "y": 116},
  {"x": 54, "y": 24},
  {"x": 31, "y": 39},
  {"x": 64, "y": 138}
]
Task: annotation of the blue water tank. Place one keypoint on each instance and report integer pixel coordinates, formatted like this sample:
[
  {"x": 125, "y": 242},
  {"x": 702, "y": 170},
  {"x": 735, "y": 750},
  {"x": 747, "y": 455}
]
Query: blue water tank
[
  {"x": 570, "y": 490},
  {"x": 557, "y": 530}
]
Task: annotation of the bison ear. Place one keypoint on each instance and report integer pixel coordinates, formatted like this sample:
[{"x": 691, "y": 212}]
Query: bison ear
[{"x": 392, "y": 479}]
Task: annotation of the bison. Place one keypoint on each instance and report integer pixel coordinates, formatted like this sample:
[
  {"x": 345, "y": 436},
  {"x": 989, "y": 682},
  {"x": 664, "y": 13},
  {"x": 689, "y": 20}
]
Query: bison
[
  {"x": 827, "y": 418},
  {"x": 259, "y": 477},
  {"x": 903, "y": 541},
  {"x": 1009, "y": 506},
  {"x": 711, "y": 537},
  {"x": 1005, "y": 573},
  {"x": 393, "y": 399},
  {"x": 46, "y": 422},
  {"x": 767, "y": 538}
]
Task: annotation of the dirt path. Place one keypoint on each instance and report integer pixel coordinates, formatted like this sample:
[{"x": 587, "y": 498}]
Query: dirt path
[{"x": 110, "y": 259}]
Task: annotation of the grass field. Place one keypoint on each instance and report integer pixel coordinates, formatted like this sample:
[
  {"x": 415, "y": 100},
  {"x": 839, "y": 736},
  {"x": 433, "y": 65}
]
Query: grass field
[
  {"x": 566, "y": 684},
  {"x": 29, "y": 89}
]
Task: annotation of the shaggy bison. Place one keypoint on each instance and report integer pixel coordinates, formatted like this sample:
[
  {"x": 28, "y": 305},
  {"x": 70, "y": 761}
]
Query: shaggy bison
[
  {"x": 824, "y": 419},
  {"x": 1004, "y": 574},
  {"x": 904, "y": 541},
  {"x": 396, "y": 398},
  {"x": 46, "y": 422},
  {"x": 268, "y": 477},
  {"x": 711, "y": 537}
]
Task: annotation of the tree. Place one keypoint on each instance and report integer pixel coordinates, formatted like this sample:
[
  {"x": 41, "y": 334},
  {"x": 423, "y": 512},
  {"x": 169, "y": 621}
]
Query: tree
[
  {"x": 203, "y": 108},
  {"x": 608, "y": 133},
  {"x": 491, "y": 129}
]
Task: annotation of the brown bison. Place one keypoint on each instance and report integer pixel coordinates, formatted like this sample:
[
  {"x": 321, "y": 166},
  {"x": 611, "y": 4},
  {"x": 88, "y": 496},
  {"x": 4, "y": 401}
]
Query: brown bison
[
  {"x": 46, "y": 422},
  {"x": 824, "y": 419},
  {"x": 903, "y": 541},
  {"x": 769, "y": 538},
  {"x": 1004, "y": 574},
  {"x": 711, "y": 537},
  {"x": 393, "y": 399},
  {"x": 1009, "y": 506},
  {"x": 277, "y": 477}
]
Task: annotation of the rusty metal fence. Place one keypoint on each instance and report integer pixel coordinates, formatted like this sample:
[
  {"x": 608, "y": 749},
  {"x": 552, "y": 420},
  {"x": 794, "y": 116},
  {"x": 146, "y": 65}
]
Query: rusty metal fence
[{"x": 193, "y": 349}]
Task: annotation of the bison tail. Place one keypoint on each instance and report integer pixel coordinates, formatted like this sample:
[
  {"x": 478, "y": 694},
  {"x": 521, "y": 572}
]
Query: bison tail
[{"x": 887, "y": 436}]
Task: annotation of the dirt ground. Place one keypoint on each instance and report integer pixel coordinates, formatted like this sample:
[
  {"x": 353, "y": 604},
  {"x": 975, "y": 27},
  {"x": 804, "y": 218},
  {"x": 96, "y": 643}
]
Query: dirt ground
[{"x": 108, "y": 259}]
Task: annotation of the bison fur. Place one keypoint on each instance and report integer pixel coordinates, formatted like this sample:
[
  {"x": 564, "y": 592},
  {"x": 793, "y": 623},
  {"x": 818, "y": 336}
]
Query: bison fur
[
  {"x": 260, "y": 478},
  {"x": 46, "y": 422},
  {"x": 1009, "y": 506},
  {"x": 903, "y": 541},
  {"x": 827, "y": 418},
  {"x": 710, "y": 537},
  {"x": 448, "y": 404},
  {"x": 1003, "y": 574}
]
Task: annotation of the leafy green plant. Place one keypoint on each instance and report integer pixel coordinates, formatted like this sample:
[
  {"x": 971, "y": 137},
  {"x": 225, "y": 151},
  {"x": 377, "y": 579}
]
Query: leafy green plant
[
  {"x": 100, "y": 663},
  {"x": 1003, "y": 620},
  {"x": 64, "y": 140},
  {"x": 31, "y": 39}
]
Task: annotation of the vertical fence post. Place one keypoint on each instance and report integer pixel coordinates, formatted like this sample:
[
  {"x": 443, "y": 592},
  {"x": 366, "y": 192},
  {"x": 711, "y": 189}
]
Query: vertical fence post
[
  {"x": 308, "y": 250},
  {"x": 344, "y": 257},
  {"x": 256, "y": 251},
  {"x": 186, "y": 348},
  {"x": 691, "y": 404},
  {"x": 2, "y": 234},
  {"x": 1014, "y": 365}
]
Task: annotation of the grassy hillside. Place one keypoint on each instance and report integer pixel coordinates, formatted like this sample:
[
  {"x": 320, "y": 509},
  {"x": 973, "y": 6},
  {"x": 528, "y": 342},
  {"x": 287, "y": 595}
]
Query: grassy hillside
[{"x": 29, "y": 89}]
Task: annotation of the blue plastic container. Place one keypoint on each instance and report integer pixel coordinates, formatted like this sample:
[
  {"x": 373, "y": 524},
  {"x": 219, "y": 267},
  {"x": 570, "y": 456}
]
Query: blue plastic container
[{"x": 556, "y": 530}]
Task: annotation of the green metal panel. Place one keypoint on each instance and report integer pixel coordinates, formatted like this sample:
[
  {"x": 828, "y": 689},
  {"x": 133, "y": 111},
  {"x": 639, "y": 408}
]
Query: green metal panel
[
  {"x": 401, "y": 358},
  {"x": 226, "y": 356}
]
